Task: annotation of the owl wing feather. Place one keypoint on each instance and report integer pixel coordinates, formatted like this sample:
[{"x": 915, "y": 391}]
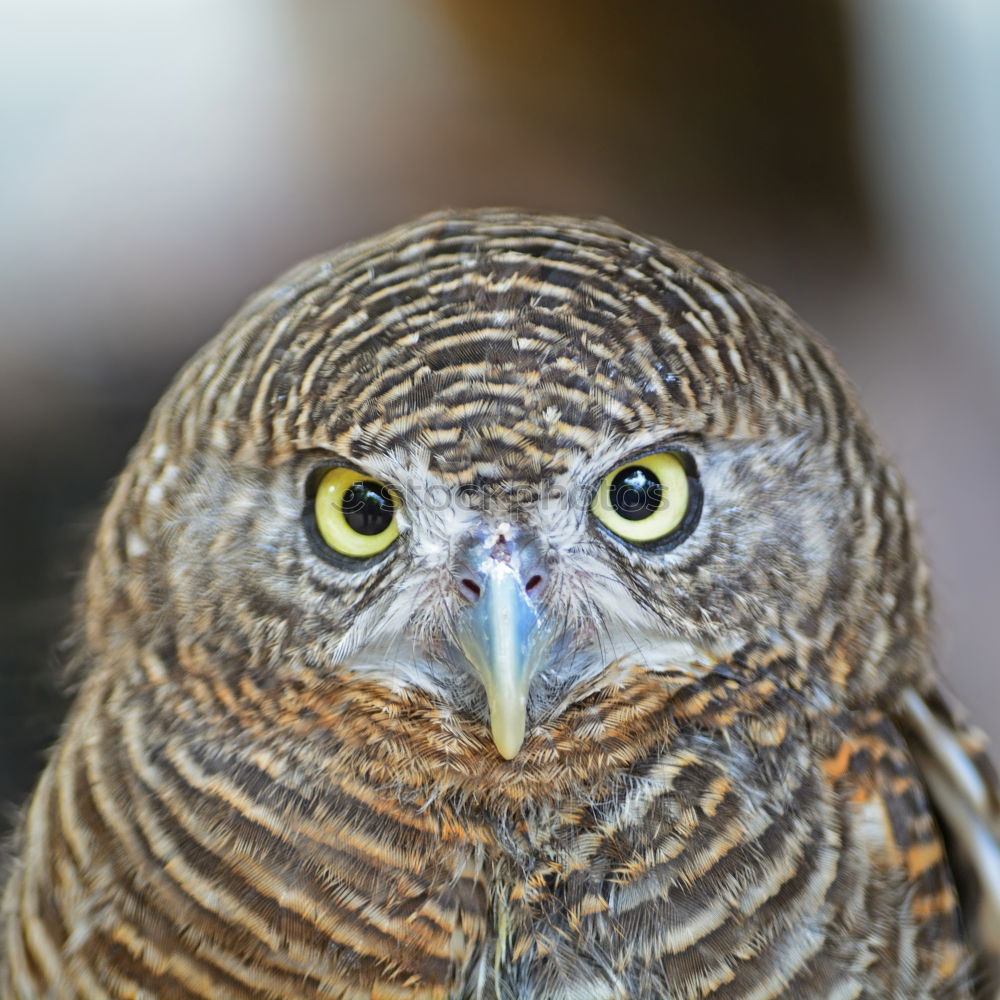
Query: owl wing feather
[{"x": 965, "y": 793}]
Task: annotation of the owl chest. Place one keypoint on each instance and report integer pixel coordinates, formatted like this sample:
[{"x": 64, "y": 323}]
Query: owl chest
[
  {"x": 679, "y": 887},
  {"x": 702, "y": 873}
]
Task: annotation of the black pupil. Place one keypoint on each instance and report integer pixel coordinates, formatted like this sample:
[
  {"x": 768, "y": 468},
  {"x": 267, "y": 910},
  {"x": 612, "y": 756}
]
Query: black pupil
[
  {"x": 368, "y": 508},
  {"x": 636, "y": 493}
]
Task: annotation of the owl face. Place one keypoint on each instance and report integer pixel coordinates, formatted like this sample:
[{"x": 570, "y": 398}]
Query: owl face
[
  {"x": 501, "y": 597},
  {"x": 495, "y": 459}
]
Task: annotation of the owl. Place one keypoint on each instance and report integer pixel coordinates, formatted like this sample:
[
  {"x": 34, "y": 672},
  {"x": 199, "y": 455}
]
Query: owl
[{"x": 508, "y": 607}]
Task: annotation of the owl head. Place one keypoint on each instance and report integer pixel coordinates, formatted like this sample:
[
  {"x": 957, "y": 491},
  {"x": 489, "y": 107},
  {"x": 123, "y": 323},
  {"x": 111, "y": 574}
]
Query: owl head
[{"x": 492, "y": 458}]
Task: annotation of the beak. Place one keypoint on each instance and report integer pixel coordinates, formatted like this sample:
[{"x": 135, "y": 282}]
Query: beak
[{"x": 505, "y": 636}]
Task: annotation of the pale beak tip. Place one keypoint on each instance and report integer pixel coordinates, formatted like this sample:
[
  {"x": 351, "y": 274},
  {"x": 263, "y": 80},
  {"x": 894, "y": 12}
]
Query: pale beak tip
[{"x": 508, "y": 735}]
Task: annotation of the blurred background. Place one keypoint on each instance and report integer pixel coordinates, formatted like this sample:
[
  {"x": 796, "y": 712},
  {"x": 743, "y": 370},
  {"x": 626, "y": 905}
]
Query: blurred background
[{"x": 158, "y": 162}]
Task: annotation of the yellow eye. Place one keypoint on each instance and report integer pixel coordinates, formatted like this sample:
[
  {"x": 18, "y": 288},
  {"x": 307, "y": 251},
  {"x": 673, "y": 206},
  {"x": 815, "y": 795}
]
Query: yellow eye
[
  {"x": 355, "y": 515},
  {"x": 645, "y": 500}
]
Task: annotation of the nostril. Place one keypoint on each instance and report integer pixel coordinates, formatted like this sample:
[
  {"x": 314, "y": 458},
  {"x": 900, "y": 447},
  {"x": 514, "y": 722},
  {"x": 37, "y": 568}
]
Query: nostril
[
  {"x": 534, "y": 584},
  {"x": 469, "y": 589}
]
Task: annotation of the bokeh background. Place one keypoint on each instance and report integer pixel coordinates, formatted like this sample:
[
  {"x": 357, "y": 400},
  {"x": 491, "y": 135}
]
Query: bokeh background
[{"x": 159, "y": 161}]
